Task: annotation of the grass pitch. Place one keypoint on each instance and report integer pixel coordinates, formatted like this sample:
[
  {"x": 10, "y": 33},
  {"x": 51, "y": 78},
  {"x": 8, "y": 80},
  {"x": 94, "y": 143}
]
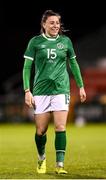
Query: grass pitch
[{"x": 85, "y": 154}]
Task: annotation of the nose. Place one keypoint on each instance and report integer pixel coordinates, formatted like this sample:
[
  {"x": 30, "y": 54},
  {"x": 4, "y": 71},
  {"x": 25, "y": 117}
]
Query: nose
[{"x": 55, "y": 25}]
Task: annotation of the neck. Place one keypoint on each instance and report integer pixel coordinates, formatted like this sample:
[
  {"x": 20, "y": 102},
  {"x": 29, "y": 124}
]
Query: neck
[{"x": 50, "y": 36}]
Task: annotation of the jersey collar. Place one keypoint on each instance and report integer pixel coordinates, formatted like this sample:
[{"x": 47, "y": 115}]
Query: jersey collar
[{"x": 50, "y": 38}]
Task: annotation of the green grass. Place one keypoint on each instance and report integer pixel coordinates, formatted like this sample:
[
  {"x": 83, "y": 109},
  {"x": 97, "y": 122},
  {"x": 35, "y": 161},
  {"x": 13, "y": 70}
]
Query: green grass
[{"x": 85, "y": 156}]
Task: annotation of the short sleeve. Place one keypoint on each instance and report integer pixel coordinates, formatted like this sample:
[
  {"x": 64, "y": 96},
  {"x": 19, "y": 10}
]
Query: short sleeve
[
  {"x": 71, "y": 53},
  {"x": 30, "y": 50}
]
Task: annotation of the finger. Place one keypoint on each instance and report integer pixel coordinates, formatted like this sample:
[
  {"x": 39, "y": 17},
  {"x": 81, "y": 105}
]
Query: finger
[
  {"x": 83, "y": 98},
  {"x": 32, "y": 100},
  {"x": 30, "y": 105},
  {"x": 33, "y": 103},
  {"x": 28, "y": 102}
]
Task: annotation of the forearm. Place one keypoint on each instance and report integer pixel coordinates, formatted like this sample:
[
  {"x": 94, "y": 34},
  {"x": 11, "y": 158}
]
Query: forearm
[
  {"x": 76, "y": 72},
  {"x": 27, "y": 74}
]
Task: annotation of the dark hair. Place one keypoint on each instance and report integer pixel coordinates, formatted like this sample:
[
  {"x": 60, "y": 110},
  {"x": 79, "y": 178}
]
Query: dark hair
[{"x": 45, "y": 16}]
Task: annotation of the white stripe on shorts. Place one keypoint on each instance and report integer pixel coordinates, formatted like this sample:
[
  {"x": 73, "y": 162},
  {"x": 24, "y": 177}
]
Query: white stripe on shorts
[{"x": 46, "y": 103}]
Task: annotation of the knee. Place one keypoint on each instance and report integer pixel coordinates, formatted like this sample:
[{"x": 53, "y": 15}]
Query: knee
[
  {"x": 60, "y": 127},
  {"x": 40, "y": 131}
]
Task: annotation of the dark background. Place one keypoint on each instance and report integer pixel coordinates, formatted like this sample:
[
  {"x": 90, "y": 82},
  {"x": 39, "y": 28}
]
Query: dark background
[{"x": 20, "y": 22}]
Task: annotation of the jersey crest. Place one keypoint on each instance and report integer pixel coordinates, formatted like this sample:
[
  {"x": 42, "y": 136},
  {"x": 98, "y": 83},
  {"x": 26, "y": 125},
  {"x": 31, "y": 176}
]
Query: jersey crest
[{"x": 60, "y": 45}]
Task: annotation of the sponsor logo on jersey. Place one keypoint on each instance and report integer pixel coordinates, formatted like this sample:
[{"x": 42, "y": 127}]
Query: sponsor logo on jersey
[{"x": 60, "y": 46}]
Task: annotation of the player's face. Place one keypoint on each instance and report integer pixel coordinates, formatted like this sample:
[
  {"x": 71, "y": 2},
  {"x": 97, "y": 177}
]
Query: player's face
[{"x": 52, "y": 26}]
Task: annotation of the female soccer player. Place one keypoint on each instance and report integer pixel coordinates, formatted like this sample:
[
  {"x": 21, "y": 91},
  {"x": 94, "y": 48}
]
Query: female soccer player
[{"x": 49, "y": 53}]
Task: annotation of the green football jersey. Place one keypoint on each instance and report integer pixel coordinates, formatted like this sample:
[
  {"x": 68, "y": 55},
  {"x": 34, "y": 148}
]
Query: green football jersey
[{"x": 50, "y": 58}]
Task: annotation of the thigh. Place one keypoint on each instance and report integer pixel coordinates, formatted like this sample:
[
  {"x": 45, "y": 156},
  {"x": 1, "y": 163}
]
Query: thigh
[
  {"x": 60, "y": 119},
  {"x": 42, "y": 121}
]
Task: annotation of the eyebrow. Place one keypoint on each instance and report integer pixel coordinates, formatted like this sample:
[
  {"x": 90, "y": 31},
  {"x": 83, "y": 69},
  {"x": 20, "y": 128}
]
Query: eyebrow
[{"x": 54, "y": 21}]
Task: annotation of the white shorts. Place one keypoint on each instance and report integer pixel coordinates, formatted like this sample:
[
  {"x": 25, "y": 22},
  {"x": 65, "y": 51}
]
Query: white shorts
[{"x": 51, "y": 103}]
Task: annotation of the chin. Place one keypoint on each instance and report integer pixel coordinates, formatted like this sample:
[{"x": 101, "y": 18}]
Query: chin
[{"x": 54, "y": 34}]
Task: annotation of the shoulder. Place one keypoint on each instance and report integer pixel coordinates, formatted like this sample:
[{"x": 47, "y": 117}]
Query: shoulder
[
  {"x": 35, "y": 38},
  {"x": 66, "y": 38}
]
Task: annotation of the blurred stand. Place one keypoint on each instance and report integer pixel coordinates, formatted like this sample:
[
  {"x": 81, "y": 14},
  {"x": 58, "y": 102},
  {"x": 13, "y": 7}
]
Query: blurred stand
[
  {"x": 12, "y": 106},
  {"x": 94, "y": 109}
]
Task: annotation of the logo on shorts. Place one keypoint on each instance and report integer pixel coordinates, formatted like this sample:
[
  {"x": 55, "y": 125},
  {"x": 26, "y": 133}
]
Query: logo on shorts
[
  {"x": 60, "y": 46},
  {"x": 67, "y": 99}
]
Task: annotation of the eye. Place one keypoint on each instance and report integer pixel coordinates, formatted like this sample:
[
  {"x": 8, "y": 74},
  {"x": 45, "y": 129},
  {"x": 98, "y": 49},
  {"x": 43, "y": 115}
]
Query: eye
[
  {"x": 57, "y": 22},
  {"x": 51, "y": 22}
]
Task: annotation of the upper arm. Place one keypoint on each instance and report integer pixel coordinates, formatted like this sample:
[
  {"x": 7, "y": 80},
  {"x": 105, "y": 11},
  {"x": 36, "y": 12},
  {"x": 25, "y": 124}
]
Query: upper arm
[
  {"x": 71, "y": 52},
  {"x": 30, "y": 50}
]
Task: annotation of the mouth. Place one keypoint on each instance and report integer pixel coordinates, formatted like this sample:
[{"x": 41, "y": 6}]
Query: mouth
[{"x": 55, "y": 30}]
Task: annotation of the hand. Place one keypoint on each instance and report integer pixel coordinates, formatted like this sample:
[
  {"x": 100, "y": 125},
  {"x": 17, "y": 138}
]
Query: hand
[
  {"x": 29, "y": 101},
  {"x": 82, "y": 94}
]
